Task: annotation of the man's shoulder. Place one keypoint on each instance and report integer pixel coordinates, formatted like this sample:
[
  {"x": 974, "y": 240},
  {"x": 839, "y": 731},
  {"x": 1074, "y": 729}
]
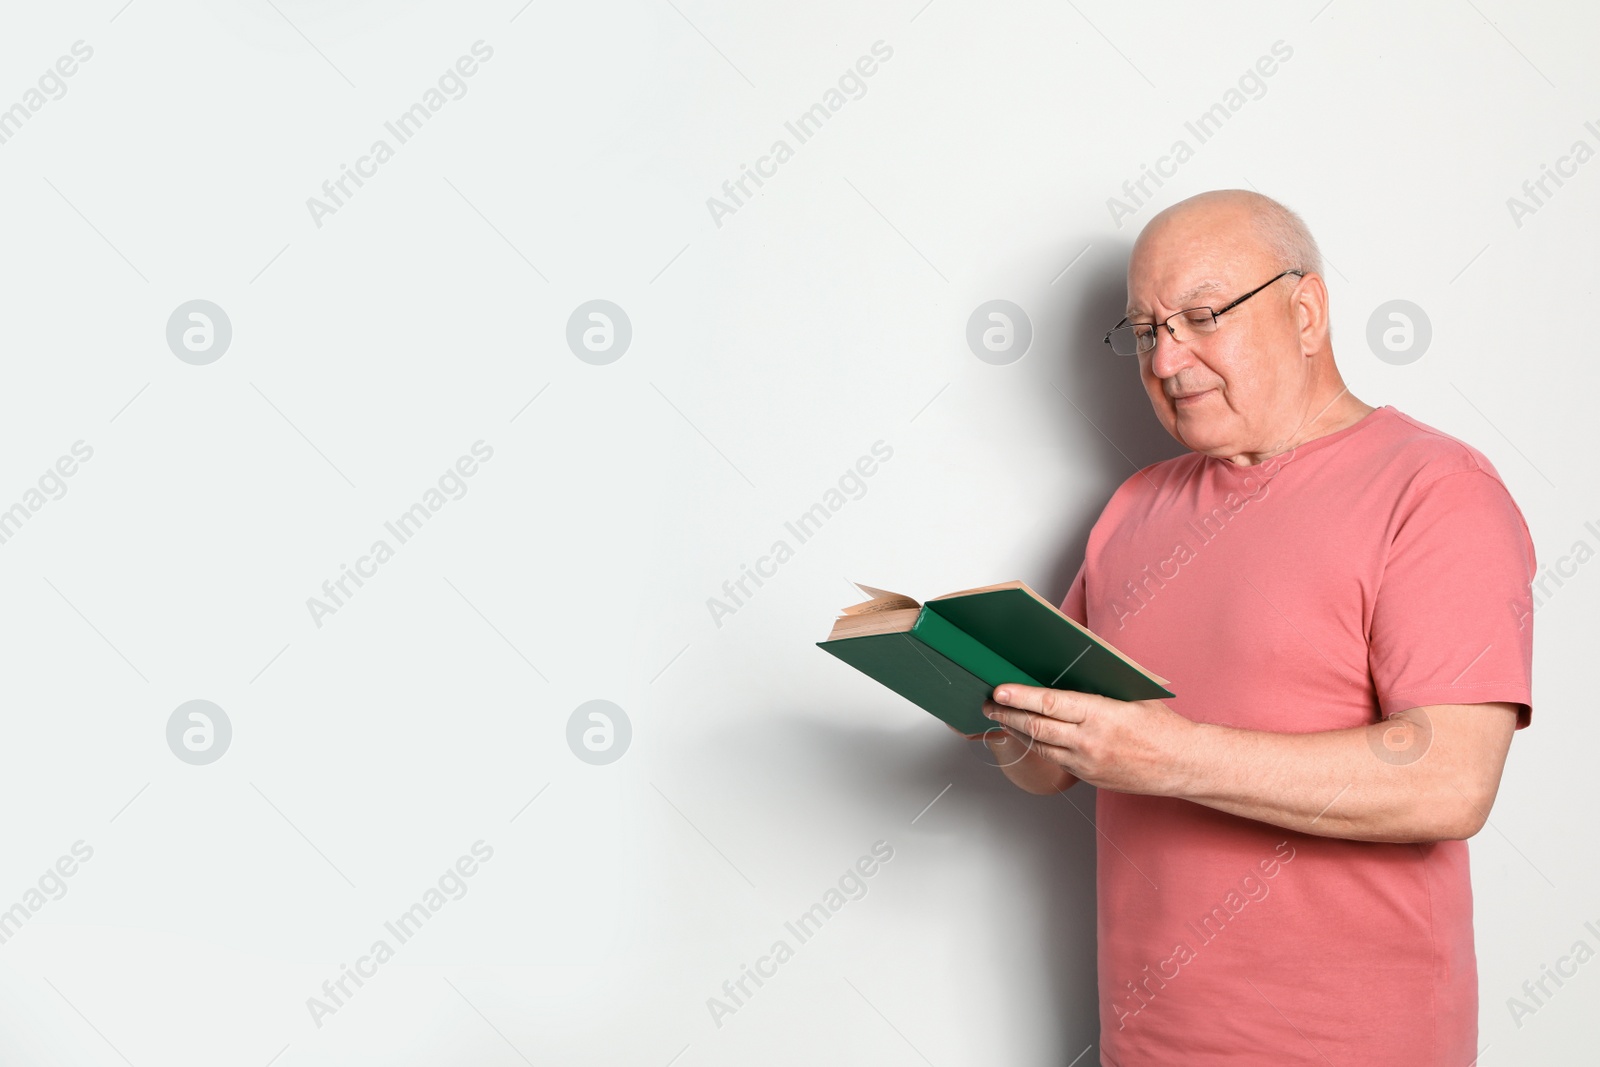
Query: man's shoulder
[
  {"x": 1422, "y": 453},
  {"x": 1148, "y": 480},
  {"x": 1392, "y": 447}
]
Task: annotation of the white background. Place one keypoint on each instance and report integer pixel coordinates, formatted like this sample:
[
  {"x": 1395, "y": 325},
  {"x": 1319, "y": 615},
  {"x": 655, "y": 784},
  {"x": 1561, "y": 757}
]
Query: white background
[{"x": 768, "y": 354}]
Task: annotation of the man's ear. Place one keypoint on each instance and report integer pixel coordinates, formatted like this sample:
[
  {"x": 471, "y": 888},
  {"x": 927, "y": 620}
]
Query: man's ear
[{"x": 1311, "y": 312}]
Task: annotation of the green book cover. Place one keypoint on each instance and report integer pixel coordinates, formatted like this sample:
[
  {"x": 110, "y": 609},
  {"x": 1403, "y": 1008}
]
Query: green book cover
[{"x": 946, "y": 656}]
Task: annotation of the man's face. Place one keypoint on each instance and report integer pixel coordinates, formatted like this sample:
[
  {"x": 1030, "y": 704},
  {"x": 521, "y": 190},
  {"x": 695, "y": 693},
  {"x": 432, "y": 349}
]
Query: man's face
[{"x": 1238, "y": 389}]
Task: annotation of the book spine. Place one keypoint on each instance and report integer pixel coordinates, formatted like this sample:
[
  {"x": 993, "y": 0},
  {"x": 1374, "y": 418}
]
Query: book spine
[{"x": 966, "y": 651}]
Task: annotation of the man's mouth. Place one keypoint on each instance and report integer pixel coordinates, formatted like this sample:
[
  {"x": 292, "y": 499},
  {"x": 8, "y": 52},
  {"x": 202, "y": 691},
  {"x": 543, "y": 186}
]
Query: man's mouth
[{"x": 1185, "y": 399}]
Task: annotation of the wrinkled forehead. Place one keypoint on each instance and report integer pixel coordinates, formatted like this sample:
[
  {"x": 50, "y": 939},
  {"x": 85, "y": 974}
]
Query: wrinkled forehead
[
  {"x": 1190, "y": 262},
  {"x": 1207, "y": 291}
]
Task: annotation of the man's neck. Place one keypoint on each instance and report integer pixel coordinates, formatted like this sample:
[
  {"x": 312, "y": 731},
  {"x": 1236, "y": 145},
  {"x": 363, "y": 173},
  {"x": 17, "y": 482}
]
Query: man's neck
[{"x": 1324, "y": 417}]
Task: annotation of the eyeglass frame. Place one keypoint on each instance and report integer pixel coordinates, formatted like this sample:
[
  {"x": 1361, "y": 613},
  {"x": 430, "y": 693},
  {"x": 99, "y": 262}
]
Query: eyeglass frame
[{"x": 1167, "y": 322}]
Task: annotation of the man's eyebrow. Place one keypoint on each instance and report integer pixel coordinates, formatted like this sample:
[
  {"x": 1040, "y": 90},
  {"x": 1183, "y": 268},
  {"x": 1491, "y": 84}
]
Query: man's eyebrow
[{"x": 1182, "y": 299}]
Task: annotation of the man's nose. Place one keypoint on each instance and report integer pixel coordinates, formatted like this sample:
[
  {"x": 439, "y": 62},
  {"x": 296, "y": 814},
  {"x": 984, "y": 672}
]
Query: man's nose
[{"x": 1169, "y": 356}]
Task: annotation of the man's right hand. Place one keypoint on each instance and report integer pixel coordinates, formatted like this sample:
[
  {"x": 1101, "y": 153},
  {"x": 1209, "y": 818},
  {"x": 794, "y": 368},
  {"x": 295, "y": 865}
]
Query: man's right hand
[{"x": 1029, "y": 772}]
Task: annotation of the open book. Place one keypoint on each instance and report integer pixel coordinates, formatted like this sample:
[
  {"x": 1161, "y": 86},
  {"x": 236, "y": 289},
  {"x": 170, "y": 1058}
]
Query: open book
[{"x": 946, "y": 656}]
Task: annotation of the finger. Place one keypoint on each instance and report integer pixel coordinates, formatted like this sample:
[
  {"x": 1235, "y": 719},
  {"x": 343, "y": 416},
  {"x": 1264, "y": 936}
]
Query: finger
[
  {"x": 1009, "y": 749},
  {"x": 1063, "y": 704},
  {"x": 1061, "y": 755},
  {"x": 1032, "y": 726},
  {"x": 1004, "y": 737},
  {"x": 999, "y": 735}
]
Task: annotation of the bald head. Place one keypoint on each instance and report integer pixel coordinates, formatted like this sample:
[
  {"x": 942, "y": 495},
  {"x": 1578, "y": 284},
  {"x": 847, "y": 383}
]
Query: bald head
[
  {"x": 1265, "y": 377},
  {"x": 1245, "y": 224}
]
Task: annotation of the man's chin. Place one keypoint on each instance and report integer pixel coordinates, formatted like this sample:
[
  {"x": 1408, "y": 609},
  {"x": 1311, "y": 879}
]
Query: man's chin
[{"x": 1198, "y": 433}]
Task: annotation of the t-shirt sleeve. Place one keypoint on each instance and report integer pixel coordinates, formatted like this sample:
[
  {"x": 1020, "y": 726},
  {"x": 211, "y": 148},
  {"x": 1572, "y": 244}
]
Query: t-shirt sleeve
[
  {"x": 1075, "y": 606},
  {"x": 1449, "y": 625}
]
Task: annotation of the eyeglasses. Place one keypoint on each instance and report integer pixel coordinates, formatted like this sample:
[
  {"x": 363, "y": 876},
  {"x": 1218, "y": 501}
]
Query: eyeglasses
[{"x": 1127, "y": 339}]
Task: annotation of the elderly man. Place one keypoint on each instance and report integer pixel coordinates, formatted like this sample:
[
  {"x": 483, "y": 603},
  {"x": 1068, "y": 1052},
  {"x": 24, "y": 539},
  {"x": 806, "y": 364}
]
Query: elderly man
[{"x": 1282, "y": 861}]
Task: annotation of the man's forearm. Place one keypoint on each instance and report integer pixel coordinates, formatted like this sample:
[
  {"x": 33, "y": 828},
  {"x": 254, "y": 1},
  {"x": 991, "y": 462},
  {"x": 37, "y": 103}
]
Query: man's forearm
[
  {"x": 1423, "y": 774},
  {"x": 1333, "y": 784}
]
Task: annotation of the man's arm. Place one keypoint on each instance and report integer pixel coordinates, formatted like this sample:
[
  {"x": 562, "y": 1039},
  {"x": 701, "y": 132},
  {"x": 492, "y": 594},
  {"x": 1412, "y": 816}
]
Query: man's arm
[
  {"x": 1362, "y": 783},
  {"x": 1427, "y": 774}
]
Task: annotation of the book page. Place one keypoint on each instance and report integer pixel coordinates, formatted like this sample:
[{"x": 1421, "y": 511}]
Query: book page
[
  {"x": 896, "y": 620},
  {"x": 882, "y": 600}
]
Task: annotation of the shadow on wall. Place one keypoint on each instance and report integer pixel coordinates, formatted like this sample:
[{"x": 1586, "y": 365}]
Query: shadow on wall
[
  {"x": 1044, "y": 847},
  {"x": 1041, "y": 849},
  {"x": 1106, "y": 419}
]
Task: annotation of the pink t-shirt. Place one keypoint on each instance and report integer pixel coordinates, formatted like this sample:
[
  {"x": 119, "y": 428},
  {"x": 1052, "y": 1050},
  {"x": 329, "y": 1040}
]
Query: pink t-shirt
[{"x": 1378, "y": 568}]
